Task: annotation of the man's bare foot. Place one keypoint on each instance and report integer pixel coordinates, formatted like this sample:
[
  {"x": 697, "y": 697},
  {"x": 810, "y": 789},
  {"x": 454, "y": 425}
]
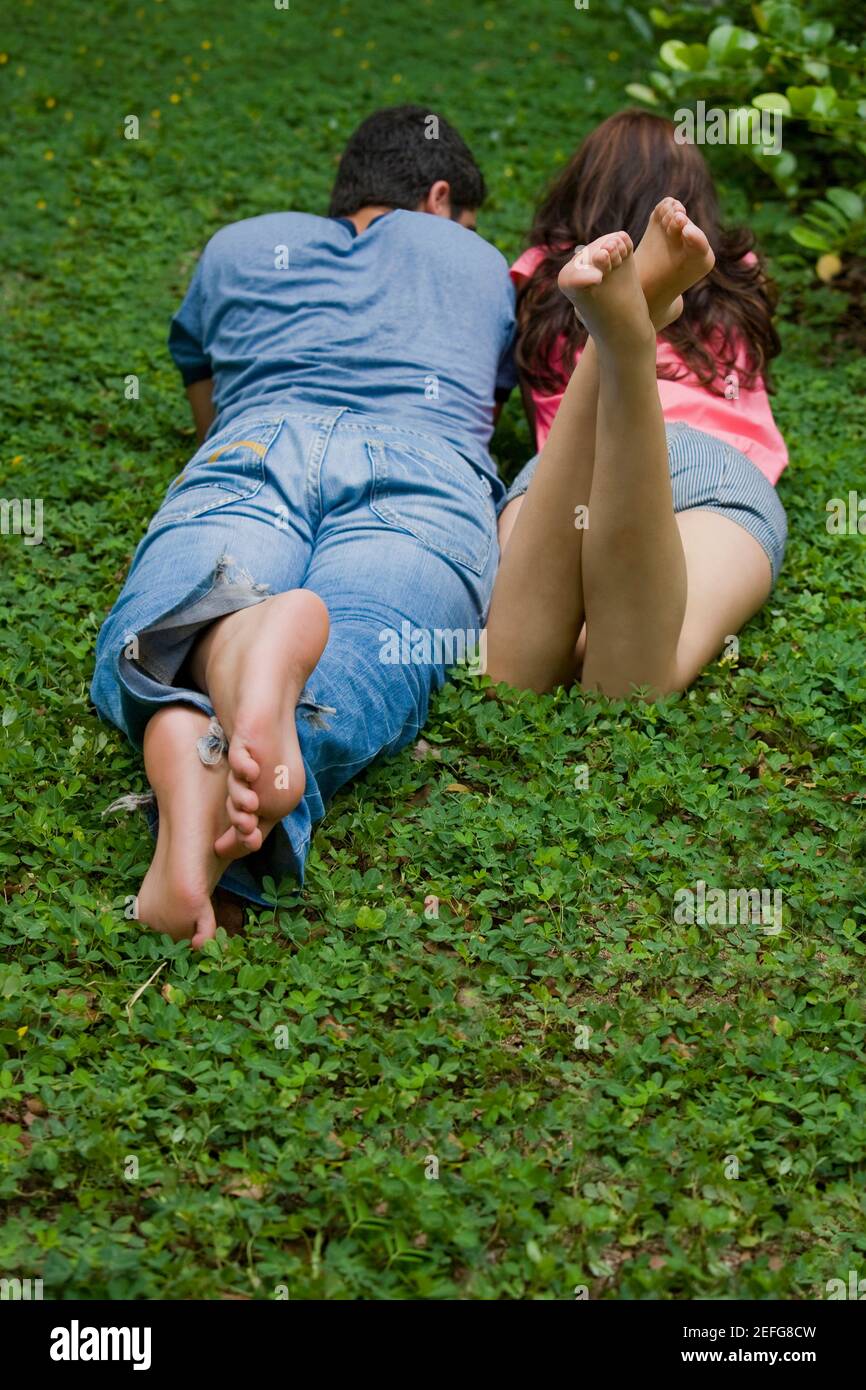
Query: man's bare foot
[
  {"x": 175, "y": 896},
  {"x": 254, "y": 664},
  {"x": 673, "y": 254},
  {"x": 602, "y": 283}
]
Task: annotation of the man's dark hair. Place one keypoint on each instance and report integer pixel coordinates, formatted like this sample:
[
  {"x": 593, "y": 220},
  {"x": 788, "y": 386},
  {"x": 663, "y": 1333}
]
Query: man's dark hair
[{"x": 394, "y": 158}]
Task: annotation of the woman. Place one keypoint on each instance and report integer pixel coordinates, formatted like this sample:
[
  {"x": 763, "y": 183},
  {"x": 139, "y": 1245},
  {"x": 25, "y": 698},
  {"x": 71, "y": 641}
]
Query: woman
[{"x": 648, "y": 530}]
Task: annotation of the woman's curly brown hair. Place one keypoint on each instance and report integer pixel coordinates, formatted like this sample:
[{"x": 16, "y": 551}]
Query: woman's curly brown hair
[{"x": 613, "y": 181}]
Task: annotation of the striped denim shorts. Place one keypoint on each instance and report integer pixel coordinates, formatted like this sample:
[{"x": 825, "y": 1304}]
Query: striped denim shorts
[{"x": 713, "y": 476}]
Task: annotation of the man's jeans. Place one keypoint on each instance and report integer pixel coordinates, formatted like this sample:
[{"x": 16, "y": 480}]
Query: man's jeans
[{"x": 392, "y": 528}]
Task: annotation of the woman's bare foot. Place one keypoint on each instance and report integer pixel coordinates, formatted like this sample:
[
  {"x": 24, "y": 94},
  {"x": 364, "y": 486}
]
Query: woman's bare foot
[
  {"x": 602, "y": 283},
  {"x": 175, "y": 896},
  {"x": 673, "y": 254},
  {"x": 254, "y": 664}
]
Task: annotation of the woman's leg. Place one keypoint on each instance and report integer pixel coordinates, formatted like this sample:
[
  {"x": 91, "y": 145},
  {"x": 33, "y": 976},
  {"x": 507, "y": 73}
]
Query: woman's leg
[
  {"x": 634, "y": 574},
  {"x": 532, "y": 594},
  {"x": 551, "y": 572},
  {"x": 537, "y": 612},
  {"x": 534, "y": 631},
  {"x": 729, "y": 578}
]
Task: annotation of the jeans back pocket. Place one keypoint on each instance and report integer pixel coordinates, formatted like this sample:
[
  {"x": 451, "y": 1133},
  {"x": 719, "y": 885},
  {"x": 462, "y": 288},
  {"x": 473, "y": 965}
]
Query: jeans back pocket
[
  {"x": 443, "y": 503},
  {"x": 228, "y": 468}
]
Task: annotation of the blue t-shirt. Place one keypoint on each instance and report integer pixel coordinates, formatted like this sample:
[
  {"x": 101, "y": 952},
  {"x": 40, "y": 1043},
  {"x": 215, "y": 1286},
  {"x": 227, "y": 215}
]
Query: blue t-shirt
[{"x": 412, "y": 318}]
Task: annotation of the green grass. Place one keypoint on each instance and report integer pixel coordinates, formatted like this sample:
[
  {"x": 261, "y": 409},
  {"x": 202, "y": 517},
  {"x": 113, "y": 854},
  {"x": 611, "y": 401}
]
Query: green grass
[{"x": 406, "y": 1035}]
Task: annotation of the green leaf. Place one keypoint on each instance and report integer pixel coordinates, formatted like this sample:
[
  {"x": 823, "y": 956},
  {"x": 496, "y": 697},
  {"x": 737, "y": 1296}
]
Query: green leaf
[
  {"x": 253, "y": 976},
  {"x": 639, "y": 23},
  {"x": 781, "y": 20},
  {"x": 682, "y": 57},
  {"x": 642, "y": 93},
  {"x": 818, "y": 33},
  {"x": 814, "y": 241},
  {"x": 772, "y": 101},
  {"x": 730, "y": 46},
  {"x": 810, "y": 101},
  {"x": 370, "y": 918},
  {"x": 663, "y": 84},
  {"x": 847, "y": 201},
  {"x": 661, "y": 19},
  {"x": 813, "y": 67},
  {"x": 11, "y": 980}
]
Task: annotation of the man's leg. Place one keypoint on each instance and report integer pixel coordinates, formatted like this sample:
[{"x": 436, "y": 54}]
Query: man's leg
[
  {"x": 230, "y": 533},
  {"x": 405, "y": 554},
  {"x": 254, "y": 664},
  {"x": 405, "y": 569},
  {"x": 175, "y": 895}
]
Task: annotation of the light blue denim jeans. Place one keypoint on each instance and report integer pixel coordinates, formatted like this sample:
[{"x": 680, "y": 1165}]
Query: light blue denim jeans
[{"x": 392, "y": 528}]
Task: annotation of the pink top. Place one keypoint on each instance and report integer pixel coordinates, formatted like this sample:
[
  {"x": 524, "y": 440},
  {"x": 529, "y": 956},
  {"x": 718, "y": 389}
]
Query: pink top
[{"x": 741, "y": 417}]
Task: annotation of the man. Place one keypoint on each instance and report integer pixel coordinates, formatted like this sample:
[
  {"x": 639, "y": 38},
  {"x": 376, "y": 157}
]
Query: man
[{"x": 342, "y": 373}]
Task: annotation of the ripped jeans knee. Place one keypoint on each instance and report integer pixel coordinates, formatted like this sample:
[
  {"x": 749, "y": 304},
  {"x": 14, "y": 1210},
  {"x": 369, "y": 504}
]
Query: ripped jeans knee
[{"x": 161, "y": 648}]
